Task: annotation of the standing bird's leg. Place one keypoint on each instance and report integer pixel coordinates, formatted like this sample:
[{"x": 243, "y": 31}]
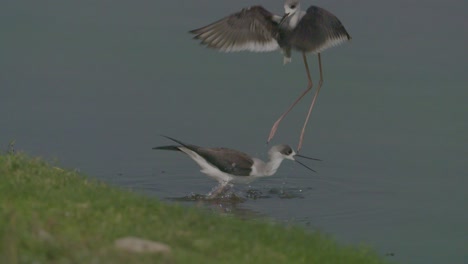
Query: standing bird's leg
[
  {"x": 312, "y": 104},
  {"x": 309, "y": 87},
  {"x": 218, "y": 190}
]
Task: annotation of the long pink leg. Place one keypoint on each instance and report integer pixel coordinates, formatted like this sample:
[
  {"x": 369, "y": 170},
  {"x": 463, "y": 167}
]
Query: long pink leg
[
  {"x": 301, "y": 138},
  {"x": 309, "y": 87}
]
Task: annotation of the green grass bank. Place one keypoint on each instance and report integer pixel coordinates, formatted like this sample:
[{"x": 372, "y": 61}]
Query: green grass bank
[{"x": 50, "y": 215}]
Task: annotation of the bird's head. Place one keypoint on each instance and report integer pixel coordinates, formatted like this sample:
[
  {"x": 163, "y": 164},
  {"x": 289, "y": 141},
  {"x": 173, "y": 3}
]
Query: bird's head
[
  {"x": 291, "y": 7},
  {"x": 281, "y": 152},
  {"x": 286, "y": 152}
]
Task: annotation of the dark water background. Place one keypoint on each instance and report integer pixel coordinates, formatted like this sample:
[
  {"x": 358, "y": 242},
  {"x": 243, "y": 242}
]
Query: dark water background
[{"x": 92, "y": 85}]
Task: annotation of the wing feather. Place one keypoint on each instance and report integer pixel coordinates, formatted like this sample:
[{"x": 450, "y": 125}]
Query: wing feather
[
  {"x": 228, "y": 160},
  {"x": 253, "y": 29},
  {"x": 318, "y": 30}
]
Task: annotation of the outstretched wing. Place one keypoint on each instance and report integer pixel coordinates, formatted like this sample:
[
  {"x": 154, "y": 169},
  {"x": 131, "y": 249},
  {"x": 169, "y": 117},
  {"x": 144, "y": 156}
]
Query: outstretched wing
[
  {"x": 254, "y": 29},
  {"x": 318, "y": 30}
]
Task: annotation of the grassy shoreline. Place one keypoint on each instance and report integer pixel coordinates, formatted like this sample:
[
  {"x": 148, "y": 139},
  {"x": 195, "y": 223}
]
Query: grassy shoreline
[{"x": 50, "y": 215}]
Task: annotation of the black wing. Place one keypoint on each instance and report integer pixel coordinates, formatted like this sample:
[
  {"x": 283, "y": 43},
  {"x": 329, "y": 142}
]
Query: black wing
[
  {"x": 318, "y": 30},
  {"x": 172, "y": 147},
  {"x": 253, "y": 29},
  {"x": 228, "y": 160},
  {"x": 176, "y": 148}
]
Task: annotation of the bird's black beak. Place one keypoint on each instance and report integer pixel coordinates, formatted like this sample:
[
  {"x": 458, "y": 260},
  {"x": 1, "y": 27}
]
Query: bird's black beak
[
  {"x": 283, "y": 18},
  {"x": 305, "y": 157},
  {"x": 307, "y": 167}
]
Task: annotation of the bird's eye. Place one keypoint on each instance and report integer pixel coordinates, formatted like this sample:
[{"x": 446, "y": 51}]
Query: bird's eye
[
  {"x": 292, "y": 6},
  {"x": 289, "y": 152}
]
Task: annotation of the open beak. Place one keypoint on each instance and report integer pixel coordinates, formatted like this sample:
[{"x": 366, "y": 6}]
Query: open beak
[
  {"x": 283, "y": 18},
  {"x": 307, "y": 167},
  {"x": 305, "y": 157}
]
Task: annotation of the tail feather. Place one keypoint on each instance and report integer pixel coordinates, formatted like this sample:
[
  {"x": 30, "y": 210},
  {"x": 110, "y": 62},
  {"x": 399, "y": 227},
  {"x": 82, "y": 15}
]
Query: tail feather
[
  {"x": 176, "y": 141},
  {"x": 175, "y": 148}
]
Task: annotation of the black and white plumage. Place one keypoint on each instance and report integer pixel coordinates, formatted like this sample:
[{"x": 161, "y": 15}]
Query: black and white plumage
[
  {"x": 258, "y": 30},
  {"x": 253, "y": 29},
  {"x": 232, "y": 166}
]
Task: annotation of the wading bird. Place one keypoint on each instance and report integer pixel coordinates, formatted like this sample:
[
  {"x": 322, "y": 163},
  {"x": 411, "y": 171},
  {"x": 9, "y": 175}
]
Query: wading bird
[
  {"x": 232, "y": 166},
  {"x": 256, "y": 29}
]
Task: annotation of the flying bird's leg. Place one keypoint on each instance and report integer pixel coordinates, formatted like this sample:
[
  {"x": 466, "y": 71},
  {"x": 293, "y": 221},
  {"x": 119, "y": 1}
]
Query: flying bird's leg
[
  {"x": 309, "y": 87},
  {"x": 312, "y": 104}
]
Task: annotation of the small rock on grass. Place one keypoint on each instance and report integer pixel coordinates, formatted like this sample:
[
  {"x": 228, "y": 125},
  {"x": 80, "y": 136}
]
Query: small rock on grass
[{"x": 139, "y": 245}]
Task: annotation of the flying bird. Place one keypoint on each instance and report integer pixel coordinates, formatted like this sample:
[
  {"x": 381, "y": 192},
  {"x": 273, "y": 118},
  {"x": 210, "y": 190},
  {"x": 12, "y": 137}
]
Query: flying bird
[
  {"x": 232, "y": 166},
  {"x": 258, "y": 30}
]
